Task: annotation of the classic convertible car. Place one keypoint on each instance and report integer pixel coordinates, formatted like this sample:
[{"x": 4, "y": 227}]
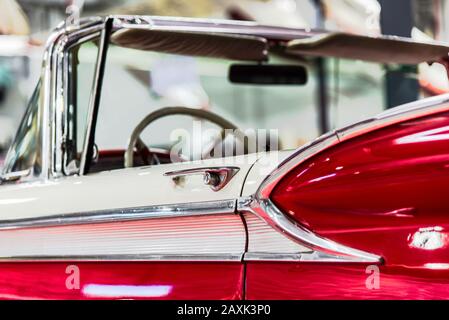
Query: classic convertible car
[{"x": 91, "y": 206}]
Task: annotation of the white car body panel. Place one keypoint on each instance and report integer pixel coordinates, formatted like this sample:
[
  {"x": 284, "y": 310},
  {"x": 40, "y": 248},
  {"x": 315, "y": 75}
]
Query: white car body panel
[
  {"x": 126, "y": 188},
  {"x": 266, "y": 163}
]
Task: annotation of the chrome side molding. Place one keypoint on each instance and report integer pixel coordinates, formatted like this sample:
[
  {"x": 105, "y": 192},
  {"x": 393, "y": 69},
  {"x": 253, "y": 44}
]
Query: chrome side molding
[
  {"x": 125, "y": 214},
  {"x": 231, "y": 257},
  {"x": 315, "y": 257}
]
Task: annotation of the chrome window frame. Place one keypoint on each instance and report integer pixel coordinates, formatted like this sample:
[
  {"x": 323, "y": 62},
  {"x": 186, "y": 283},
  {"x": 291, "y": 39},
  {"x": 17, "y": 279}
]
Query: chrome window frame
[
  {"x": 75, "y": 40},
  {"x": 57, "y": 69}
]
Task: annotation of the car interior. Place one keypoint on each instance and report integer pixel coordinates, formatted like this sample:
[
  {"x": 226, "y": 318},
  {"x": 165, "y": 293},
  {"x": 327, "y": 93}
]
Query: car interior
[{"x": 170, "y": 98}]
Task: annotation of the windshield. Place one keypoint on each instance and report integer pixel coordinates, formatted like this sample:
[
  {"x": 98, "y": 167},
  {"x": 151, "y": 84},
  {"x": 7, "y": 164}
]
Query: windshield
[
  {"x": 140, "y": 81},
  {"x": 25, "y": 152},
  {"x": 157, "y": 80}
]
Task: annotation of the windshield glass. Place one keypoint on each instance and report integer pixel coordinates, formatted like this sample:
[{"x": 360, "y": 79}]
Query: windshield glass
[
  {"x": 25, "y": 151},
  {"x": 82, "y": 60},
  {"x": 140, "y": 81},
  {"x": 150, "y": 81}
]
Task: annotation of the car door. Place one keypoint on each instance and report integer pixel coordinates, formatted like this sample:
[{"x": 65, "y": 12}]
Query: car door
[{"x": 153, "y": 232}]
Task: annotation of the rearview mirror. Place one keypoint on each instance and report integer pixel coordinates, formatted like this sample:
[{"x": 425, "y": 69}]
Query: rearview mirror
[{"x": 267, "y": 74}]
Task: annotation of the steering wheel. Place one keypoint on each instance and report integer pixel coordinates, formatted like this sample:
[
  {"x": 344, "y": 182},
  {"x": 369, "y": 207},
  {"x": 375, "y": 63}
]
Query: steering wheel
[{"x": 136, "y": 142}]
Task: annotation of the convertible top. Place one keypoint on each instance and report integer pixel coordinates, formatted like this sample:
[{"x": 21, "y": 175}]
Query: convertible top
[
  {"x": 229, "y": 46},
  {"x": 239, "y": 40},
  {"x": 385, "y": 49}
]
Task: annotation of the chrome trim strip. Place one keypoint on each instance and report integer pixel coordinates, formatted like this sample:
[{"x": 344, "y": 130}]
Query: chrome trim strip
[
  {"x": 62, "y": 123},
  {"x": 231, "y": 257},
  {"x": 211, "y": 25},
  {"x": 414, "y": 107},
  {"x": 54, "y": 79},
  {"x": 402, "y": 113},
  {"x": 126, "y": 214},
  {"x": 265, "y": 239},
  {"x": 312, "y": 257},
  {"x": 322, "y": 247},
  {"x": 50, "y": 91}
]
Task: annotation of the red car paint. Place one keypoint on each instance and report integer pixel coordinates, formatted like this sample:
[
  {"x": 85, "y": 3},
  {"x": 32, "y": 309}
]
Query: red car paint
[
  {"x": 385, "y": 192},
  {"x": 308, "y": 281},
  {"x": 121, "y": 280},
  {"x": 378, "y": 192}
]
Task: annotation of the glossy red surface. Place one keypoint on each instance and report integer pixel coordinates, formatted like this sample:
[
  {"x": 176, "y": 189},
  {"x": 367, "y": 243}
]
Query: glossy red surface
[
  {"x": 385, "y": 192},
  {"x": 121, "y": 280},
  {"x": 304, "y": 281}
]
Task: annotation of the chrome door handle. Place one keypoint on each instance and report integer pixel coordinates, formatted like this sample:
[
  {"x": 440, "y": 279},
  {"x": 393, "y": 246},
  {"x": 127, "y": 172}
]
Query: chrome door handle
[{"x": 215, "y": 177}]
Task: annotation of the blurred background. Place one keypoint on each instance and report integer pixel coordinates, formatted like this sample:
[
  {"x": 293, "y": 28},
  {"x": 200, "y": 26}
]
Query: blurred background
[{"x": 339, "y": 92}]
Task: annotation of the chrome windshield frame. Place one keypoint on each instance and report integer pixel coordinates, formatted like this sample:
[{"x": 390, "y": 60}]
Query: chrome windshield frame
[
  {"x": 57, "y": 106},
  {"x": 62, "y": 123}
]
